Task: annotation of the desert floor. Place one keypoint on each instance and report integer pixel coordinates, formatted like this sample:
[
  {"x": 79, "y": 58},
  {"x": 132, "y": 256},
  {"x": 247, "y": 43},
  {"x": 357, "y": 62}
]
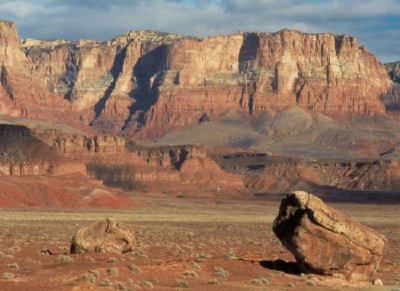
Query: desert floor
[{"x": 181, "y": 243}]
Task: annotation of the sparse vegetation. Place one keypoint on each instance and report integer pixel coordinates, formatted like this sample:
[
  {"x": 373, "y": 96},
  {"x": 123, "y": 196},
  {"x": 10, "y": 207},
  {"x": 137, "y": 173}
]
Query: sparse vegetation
[
  {"x": 220, "y": 272},
  {"x": 203, "y": 257},
  {"x": 191, "y": 274},
  {"x": 13, "y": 266},
  {"x": 66, "y": 259},
  {"x": 310, "y": 283},
  {"x": 290, "y": 285},
  {"x": 181, "y": 283},
  {"x": 90, "y": 277},
  {"x": 95, "y": 273},
  {"x": 155, "y": 281},
  {"x": 213, "y": 281},
  {"x": 106, "y": 283},
  {"x": 111, "y": 260},
  {"x": 196, "y": 266},
  {"x": 112, "y": 271},
  {"x": 260, "y": 281},
  {"x": 119, "y": 286},
  {"x": 231, "y": 255},
  {"x": 147, "y": 284},
  {"x": 141, "y": 254},
  {"x": 135, "y": 269},
  {"x": 8, "y": 275},
  {"x": 212, "y": 241}
]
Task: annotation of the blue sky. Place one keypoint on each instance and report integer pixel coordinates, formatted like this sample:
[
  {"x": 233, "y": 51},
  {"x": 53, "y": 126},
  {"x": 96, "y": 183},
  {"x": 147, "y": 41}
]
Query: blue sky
[{"x": 376, "y": 23}]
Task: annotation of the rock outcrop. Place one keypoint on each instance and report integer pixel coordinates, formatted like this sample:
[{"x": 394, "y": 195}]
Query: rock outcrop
[
  {"x": 166, "y": 168},
  {"x": 53, "y": 151},
  {"x": 392, "y": 98},
  {"x": 393, "y": 71},
  {"x": 104, "y": 236},
  {"x": 145, "y": 83},
  {"x": 325, "y": 241}
]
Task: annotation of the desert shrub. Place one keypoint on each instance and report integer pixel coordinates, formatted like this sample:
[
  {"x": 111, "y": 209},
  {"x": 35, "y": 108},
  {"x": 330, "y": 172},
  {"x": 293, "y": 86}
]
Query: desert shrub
[
  {"x": 220, "y": 272},
  {"x": 181, "y": 283},
  {"x": 260, "y": 281},
  {"x": 213, "y": 281},
  {"x": 112, "y": 271},
  {"x": 135, "y": 269},
  {"x": 89, "y": 277},
  {"x": 7, "y": 275},
  {"x": 66, "y": 259},
  {"x": 147, "y": 284},
  {"x": 191, "y": 274}
]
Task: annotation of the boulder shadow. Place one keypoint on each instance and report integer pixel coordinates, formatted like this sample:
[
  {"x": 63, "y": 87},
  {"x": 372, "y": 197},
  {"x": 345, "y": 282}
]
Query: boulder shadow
[{"x": 281, "y": 265}]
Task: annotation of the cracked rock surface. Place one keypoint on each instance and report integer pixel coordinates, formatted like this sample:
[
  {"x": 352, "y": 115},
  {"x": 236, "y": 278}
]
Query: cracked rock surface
[
  {"x": 104, "y": 236},
  {"x": 325, "y": 241}
]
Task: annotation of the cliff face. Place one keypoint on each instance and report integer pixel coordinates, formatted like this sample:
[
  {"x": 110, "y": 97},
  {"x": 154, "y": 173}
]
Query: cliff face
[
  {"x": 145, "y": 83},
  {"x": 52, "y": 152},
  {"x": 393, "y": 70},
  {"x": 392, "y": 98}
]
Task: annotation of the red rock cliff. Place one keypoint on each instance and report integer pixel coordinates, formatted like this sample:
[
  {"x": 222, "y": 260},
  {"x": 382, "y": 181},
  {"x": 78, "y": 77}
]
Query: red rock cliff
[{"x": 145, "y": 83}]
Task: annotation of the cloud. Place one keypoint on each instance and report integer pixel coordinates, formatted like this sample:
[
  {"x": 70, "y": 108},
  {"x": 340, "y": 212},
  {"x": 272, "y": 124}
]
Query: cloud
[{"x": 372, "y": 21}]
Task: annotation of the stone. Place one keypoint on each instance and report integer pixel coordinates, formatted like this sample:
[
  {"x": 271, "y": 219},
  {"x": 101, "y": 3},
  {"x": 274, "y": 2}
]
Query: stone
[
  {"x": 8, "y": 275},
  {"x": 13, "y": 266},
  {"x": 104, "y": 236},
  {"x": 377, "y": 282},
  {"x": 325, "y": 241}
]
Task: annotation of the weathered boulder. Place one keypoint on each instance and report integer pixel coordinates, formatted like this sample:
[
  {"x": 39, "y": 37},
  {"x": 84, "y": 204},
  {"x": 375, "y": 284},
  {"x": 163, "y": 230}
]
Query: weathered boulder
[
  {"x": 325, "y": 241},
  {"x": 104, "y": 236}
]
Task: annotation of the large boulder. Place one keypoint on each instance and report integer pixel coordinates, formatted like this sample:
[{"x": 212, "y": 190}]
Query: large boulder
[
  {"x": 325, "y": 241},
  {"x": 104, "y": 236}
]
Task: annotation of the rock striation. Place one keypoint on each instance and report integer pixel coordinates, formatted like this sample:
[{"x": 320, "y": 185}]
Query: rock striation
[
  {"x": 104, "y": 236},
  {"x": 145, "y": 83},
  {"x": 325, "y": 241}
]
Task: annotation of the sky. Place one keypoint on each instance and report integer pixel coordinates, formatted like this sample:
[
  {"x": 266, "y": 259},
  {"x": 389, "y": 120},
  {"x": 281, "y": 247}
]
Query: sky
[{"x": 376, "y": 23}]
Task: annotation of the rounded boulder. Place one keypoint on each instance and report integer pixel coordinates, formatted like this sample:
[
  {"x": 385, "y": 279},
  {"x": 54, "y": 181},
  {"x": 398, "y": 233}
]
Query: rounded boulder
[{"x": 104, "y": 236}]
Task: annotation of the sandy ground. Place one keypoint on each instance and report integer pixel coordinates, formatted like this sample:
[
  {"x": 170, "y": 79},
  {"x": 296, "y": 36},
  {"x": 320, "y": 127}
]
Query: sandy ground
[{"x": 182, "y": 244}]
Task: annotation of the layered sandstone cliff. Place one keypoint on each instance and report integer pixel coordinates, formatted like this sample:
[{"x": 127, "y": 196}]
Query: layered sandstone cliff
[
  {"x": 51, "y": 152},
  {"x": 145, "y": 83}
]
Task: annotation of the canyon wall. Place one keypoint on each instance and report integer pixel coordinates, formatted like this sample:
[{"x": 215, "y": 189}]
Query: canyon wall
[
  {"x": 145, "y": 83},
  {"x": 51, "y": 152},
  {"x": 392, "y": 98},
  {"x": 394, "y": 71}
]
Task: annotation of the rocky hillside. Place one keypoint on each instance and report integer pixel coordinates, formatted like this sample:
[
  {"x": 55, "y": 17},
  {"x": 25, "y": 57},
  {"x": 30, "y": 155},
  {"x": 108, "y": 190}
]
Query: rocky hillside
[{"x": 146, "y": 83}]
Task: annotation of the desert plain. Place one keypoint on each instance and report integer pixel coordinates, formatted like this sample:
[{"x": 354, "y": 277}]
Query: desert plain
[{"x": 201, "y": 244}]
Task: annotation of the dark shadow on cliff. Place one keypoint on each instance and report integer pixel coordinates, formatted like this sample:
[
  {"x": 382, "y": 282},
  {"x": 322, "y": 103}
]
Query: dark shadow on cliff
[
  {"x": 145, "y": 94},
  {"x": 115, "y": 72},
  {"x": 248, "y": 55},
  {"x": 391, "y": 99},
  {"x": 18, "y": 144},
  {"x": 71, "y": 75}
]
